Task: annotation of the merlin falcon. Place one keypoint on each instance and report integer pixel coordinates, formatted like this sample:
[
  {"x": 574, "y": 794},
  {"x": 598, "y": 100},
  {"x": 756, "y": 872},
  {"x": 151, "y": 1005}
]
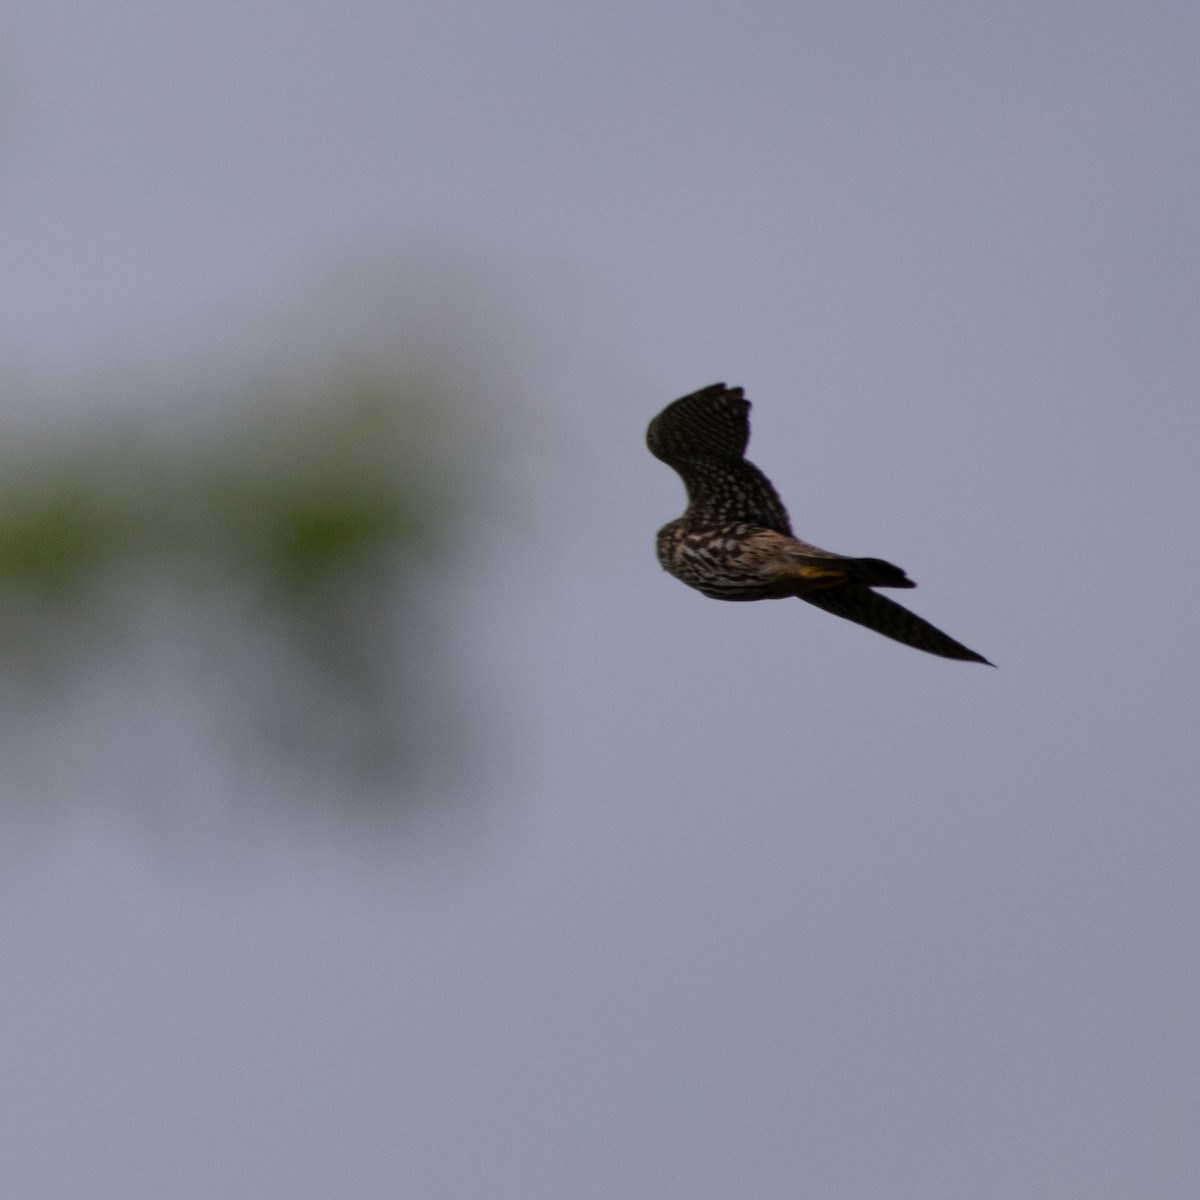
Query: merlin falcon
[{"x": 735, "y": 540}]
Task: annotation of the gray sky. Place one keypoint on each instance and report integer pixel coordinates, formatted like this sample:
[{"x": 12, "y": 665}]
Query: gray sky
[{"x": 759, "y": 904}]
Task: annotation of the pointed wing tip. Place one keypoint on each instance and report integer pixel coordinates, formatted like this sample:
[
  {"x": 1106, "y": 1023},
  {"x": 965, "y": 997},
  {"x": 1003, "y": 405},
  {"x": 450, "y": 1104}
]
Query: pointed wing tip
[
  {"x": 972, "y": 656},
  {"x": 718, "y": 389}
]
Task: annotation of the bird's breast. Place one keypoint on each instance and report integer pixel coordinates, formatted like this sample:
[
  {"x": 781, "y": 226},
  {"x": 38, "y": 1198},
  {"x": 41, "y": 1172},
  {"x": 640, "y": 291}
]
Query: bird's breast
[{"x": 737, "y": 561}]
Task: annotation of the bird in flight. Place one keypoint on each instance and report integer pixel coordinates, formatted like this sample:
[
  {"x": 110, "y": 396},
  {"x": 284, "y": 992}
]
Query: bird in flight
[{"x": 735, "y": 540}]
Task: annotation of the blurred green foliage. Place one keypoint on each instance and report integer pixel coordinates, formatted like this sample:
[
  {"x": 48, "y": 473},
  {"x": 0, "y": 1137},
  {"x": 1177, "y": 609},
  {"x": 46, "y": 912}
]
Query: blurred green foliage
[
  {"x": 299, "y": 490},
  {"x": 314, "y": 532},
  {"x": 50, "y": 540}
]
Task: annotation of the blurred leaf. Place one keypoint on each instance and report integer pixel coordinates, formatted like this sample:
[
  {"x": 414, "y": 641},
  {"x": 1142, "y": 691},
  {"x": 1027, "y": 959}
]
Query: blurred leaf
[
  {"x": 50, "y": 541},
  {"x": 311, "y": 526}
]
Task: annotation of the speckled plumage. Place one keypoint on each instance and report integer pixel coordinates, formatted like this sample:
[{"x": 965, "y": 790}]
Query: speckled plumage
[{"x": 735, "y": 540}]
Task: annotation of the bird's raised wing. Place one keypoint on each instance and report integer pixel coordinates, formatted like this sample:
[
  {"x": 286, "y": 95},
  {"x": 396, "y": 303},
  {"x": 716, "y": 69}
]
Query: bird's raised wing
[{"x": 704, "y": 436}]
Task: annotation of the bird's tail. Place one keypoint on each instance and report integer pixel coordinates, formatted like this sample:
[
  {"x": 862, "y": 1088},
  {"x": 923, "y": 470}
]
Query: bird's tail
[
  {"x": 875, "y": 572},
  {"x": 857, "y": 603}
]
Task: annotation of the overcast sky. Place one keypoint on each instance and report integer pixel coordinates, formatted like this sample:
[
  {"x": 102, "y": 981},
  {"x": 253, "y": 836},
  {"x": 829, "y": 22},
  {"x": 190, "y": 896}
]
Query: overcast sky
[{"x": 753, "y": 903}]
